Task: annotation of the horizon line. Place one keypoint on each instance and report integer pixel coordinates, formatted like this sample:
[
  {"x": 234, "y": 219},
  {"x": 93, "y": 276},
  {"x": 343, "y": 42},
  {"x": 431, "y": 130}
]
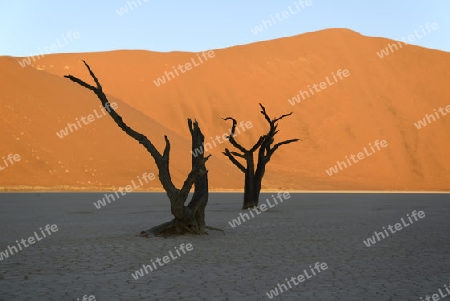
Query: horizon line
[{"x": 222, "y": 48}]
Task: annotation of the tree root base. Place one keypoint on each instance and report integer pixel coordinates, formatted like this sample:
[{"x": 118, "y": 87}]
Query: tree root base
[
  {"x": 249, "y": 206},
  {"x": 177, "y": 228},
  {"x": 215, "y": 229},
  {"x": 174, "y": 228}
]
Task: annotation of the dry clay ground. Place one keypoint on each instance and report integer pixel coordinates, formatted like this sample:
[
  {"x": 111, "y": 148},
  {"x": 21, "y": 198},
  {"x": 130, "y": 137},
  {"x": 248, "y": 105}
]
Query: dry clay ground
[{"x": 95, "y": 251}]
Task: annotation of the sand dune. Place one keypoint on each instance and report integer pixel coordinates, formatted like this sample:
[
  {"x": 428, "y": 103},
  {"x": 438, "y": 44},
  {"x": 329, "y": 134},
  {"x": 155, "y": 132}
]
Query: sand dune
[
  {"x": 380, "y": 99},
  {"x": 96, "y": 155}
]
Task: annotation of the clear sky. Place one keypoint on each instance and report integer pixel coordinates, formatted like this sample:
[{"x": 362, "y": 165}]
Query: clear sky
[{"x": 26, "y": 26}]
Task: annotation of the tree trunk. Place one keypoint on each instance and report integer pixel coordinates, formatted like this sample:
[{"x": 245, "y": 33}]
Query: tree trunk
[
  {"x": 249, "y": 192},
  {"x": 249, "y": 184},
  {"x": 192, "y": 219},
  {"x": 188, "y": 219},
  {"x": 252, "y": 189},
  {"x": 260, "y": 170}
]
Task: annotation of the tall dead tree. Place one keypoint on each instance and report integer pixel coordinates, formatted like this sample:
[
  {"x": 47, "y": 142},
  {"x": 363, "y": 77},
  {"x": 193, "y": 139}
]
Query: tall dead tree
[
  {"x": 254, "y": 176},
  {"x": 188, "y": 219}
]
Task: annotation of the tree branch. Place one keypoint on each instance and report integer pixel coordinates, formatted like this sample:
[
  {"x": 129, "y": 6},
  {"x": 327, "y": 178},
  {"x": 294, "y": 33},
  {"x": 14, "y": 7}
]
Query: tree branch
[
  {"x": 231, "y": 136},
  {"x": 281, "y": 117},
  {"x": 263, "y": 111},
  {"x": 238, "y": 154},
  {"x": 200, "y": 196},
  {"x": 162, "y": 161},
  {"x": 276, "y": 146},
  {"x": 235, "y": 162},
  {"x": 197, "y": 170},
  {"x": 258, "y": 144}
]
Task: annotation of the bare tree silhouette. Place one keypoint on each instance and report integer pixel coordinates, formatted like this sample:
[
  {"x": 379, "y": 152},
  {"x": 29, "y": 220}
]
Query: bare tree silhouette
[
  {"x": 188, "y": 219},
  {"x": 253, "y": 177}
]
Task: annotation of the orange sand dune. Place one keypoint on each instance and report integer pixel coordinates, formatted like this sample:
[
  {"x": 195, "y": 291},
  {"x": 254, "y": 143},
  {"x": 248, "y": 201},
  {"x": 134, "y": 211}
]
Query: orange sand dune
[
  {"x": 35, "y": 105},
  {"x": 380, "y": 99}
]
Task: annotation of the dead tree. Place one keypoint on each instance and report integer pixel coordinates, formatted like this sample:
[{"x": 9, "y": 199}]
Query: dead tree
[
  {"x": 253, "y": 177},
  {"x": 188, "y": 219}
]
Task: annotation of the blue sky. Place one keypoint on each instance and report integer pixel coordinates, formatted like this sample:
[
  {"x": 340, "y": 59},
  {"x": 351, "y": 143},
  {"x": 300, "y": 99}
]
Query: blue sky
[{"x": 175, "y": 25}]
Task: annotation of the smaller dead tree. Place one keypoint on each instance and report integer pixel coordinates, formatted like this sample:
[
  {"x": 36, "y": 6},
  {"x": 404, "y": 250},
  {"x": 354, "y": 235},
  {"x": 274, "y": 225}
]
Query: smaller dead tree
[
  {"x": 254, "y": 174},
  {"x": 188, "y": 219}
]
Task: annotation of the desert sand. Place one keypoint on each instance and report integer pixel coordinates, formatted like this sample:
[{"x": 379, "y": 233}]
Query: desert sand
[
  {"x": 380, "y": 99},
  {"x": 95, "y": 251}
]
